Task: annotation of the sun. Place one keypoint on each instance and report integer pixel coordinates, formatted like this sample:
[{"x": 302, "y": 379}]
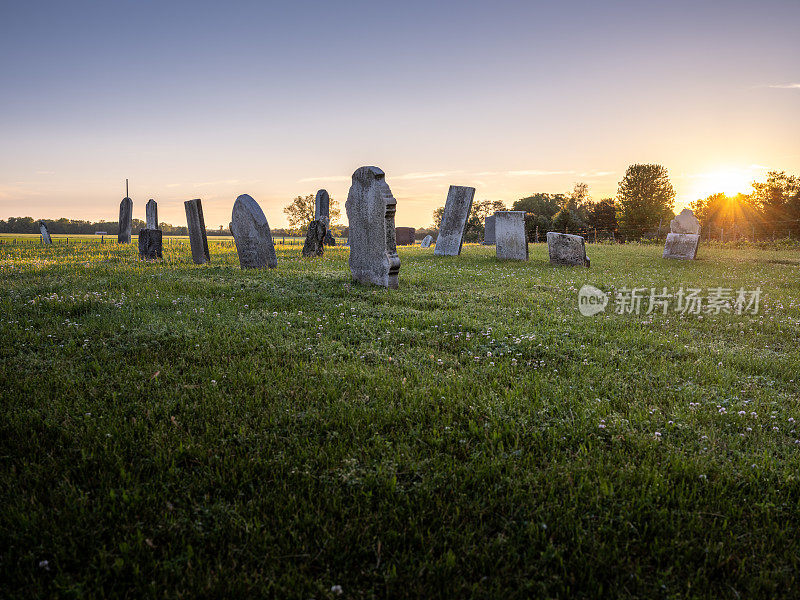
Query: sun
[{"x": 729, "y": 181}]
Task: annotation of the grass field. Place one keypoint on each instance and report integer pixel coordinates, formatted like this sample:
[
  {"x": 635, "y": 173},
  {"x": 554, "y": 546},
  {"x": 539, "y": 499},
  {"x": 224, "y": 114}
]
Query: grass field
[{"x": 176, "y": 430}]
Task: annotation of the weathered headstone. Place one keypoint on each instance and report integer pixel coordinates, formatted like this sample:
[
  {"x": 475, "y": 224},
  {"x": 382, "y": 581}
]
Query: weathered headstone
[
  {"x": 567, "y": 249},
  {"x": 488, "y": 231},
  {"x": 329, "y": 239},
  {"x": 150, "y": 244},
  {"x": 510, "y": 234},
  {"x": 198, "y": 238},
  {"x": 681, "y": 245},
  {"x": 252, "y": 235},
  {"x": 370, "y": 211},
  {"x": 125, "y": 216},
  {"x": 426, "y": 242},
  {"x": 685, "y": 222},
  {"x": 322, "y": 203},
  {"x": 45, "y": 234},
  {"x": 315, "y": 236},
  {"x": 454, "y": 220},
  {"x": 151, "y": 214},
  {"x": 405, "y": 236}
]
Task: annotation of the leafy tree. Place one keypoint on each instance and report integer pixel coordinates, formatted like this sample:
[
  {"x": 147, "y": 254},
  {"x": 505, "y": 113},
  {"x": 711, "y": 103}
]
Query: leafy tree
[
  {"x": 778, "y": 199},
  {"x": 474, "y": 228},
  {"x": 541, "y": 204},
  {"x": 603, "y": 214},
  {"x": 300, "y": 212},
  {"x": 646, "y": 198},
  {"x": 566, "y": 220}
]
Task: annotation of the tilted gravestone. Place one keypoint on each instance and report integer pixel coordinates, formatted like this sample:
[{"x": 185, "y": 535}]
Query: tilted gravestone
[
  {"x": 488, "y": 231},
  {"x": 684, "y": 236},
  {"x": 370, "y": 211},
  {"x": 322, "y": 206},
  {"x": 150, "y": 244},
  {"x": 198, "y": 238},
  {"x": 45, "y": 234},
  {"x": 566, "y": 249},
  {"x": 252, "y": 235},
  {"x": 426, "y": 242},
  {"x": 151, "y": 214},
  {"x": 454, "y": 220},
  {"x": 511, "y": 242},
  {"x": 125, "y": 216},
  {"x": 315, "y": 238},
  {"x": 405, "y": 235}
]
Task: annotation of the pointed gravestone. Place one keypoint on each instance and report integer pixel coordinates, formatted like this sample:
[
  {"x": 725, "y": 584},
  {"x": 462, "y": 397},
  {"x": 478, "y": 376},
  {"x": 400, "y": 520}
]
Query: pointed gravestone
[
  {"x": 684, "y": 236},
  {"x": 511, "y": 242},
  {"x": 488, "y": 231},
  {"x": 45, "y": 234},
  {"x": 151, "y": 214},
  {"x": 198, "y": 238},
  {"x": 252, "y": 235},
  {"x": 322, "y": 206},
  {"x": 426, "y": 242},
  {"x": 566, "y": 249},
  {"x": 454, "y": 220},
  {"x": 370, "y": 211},
  {"x": 125, "y": 216},
  {"x": 315, "y": 238}
]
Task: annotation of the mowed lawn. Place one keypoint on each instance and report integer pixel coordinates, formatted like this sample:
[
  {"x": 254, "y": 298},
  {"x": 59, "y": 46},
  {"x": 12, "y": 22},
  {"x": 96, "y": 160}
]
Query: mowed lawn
[{"x": 176, "y": 430}]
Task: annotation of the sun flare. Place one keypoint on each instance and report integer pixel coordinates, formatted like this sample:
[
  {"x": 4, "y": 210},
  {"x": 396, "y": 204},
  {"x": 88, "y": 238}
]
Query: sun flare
[{"x": 726, "y": 181}]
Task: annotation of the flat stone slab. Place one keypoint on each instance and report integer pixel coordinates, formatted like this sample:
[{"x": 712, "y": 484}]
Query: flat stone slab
[
  {"x": 685, "y": 222},
  {"x": 454, "y": 220},
  {"x": 46, "y": 239},
  {"x": 682, "y": 246},
  {"x": 488, "y": 231},
  {"x": 150, "y": 244},
  {"x": 426, "y": 242},
  {"x": 405, "y": 236},
  {"x": 151, "y": 214},
  {"x": 371, "y": 209},
  {"x": 198, "y": 238},
  {"x": 315, "y": 239},
  {"x": 511, "y": 241},
  {"x": 252, "y": 235},
  {"x": 125, "y": 216},
  {"x": 567, "y": 249}
]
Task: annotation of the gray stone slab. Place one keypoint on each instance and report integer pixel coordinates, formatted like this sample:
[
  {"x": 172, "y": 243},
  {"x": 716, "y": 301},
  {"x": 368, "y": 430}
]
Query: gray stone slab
[
  {"x": 454, "y": 220},
  {"x": 46, "y": 239},
  {"x": 685, "y": 222},
  {"x": 567, "y": 249},
  {"x": 252, "y": 235},
  {"x": 322, "y": 207},
  {"x": 370, "y": 211},
  {"x": 329, "y": 239},
  {"x": 151, "y": 214},
  {"x": 150, "y": 244},
  {"x": 198, "y": 238},
  {"x": 510, "y": 235},
  {"x": 488, "y": 231},
  {"x": 125, "y": 216},
  {"x": 426, "y": 242},
  {"x": 681, "y": 245},
  {"x": 315, "y": 239},
  {"x": 405, "y": 236}
]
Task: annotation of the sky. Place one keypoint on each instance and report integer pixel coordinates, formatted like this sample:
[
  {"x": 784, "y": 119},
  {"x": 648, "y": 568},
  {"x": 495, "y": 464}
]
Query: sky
[{"x": 278, "y": 99}]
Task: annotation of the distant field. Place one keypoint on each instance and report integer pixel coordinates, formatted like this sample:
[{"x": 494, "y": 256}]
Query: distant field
[
  {"x": 176, "y": 430},
  {"x": 33, "y": 238}
]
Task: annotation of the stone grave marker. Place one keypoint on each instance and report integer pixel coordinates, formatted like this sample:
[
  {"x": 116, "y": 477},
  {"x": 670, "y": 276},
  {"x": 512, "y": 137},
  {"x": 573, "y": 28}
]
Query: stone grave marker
[
  {"x": 322, "y": 206},
  {"x": 46, "y": 239},
  {"x": 370, "y": 211},
  {"x": 454, "y": 220},
  {"x": 151, "y": 214},
  {"x": 198, "y": 238},
  {"x": 315, "y": 238},
  {"x": 426, "y": 242},
  {"x": 150, "y": 244},
  {"x": 488, "y": 231},
  {"x": 684, "y": 236},
  {"x": 566, "y": 249},
  {"x": 125, "y": 216},
  {"x": 511, "y": 242},
  {"x": 405, "y": 236},
  {"x": 252, "y": 235}
]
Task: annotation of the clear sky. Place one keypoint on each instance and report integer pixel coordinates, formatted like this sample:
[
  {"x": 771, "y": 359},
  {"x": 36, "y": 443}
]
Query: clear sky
[{"x": 277, "y": 99}]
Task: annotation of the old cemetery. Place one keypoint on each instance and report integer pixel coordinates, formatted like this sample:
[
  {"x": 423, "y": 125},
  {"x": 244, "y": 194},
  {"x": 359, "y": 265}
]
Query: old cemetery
[{"x": 248, "y": 418}]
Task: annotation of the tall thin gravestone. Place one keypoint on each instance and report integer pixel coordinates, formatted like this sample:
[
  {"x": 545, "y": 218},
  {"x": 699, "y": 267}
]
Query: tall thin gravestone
[
  {"x": 454, "y": 220},
  {"x": 322, "y": 206},
  {"x": 125, "y": 216},
  {"x": 151, "y": 214},
  {"x": 252, "y": 235},
  {"x": 198, "y": 238},
  {"x": 488, "y": 231},
  {"x": 46, "y": 239},
  {"x": 370, "y": 211}
]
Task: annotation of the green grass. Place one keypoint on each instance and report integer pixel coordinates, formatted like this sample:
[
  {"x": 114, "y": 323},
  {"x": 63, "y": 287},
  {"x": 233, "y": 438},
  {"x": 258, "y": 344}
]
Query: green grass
[{"x": 178, "y": 430}]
